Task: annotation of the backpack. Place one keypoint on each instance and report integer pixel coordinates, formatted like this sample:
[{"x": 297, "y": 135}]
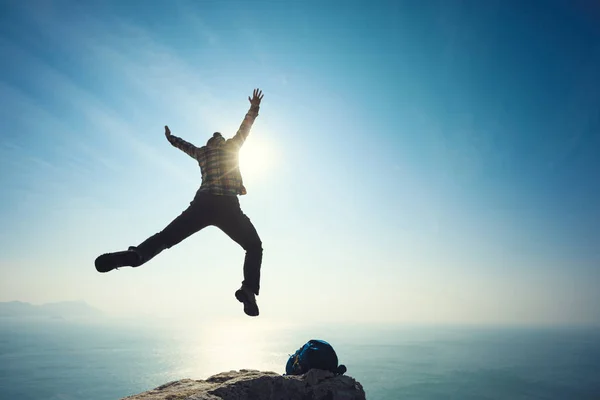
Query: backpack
[{"x": 316, "y": 354}]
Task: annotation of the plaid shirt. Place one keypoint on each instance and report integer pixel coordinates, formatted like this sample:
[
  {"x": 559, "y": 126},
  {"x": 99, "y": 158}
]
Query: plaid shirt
[{"x": 219, "y": 165}]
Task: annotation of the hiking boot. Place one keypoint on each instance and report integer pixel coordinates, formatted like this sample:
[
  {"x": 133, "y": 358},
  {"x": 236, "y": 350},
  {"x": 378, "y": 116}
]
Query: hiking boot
[
  {"x": 109, "y": 261},
  {"x": 246, "y": 296}
]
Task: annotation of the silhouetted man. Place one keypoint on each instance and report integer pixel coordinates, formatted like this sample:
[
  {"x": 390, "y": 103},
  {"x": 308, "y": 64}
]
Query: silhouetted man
[{"x": 215, "y": 203}]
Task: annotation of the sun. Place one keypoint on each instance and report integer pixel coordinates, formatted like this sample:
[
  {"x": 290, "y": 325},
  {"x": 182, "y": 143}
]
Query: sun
[{"x": 256, "y": 159}]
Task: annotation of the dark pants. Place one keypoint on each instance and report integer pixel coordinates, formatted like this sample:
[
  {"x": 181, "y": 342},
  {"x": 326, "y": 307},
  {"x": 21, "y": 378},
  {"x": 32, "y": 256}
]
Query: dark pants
[{"x": 225, "y": 213}]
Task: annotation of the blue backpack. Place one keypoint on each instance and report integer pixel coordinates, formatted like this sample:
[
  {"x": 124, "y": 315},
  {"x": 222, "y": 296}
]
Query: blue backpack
[{"x": 316, "y": 354}]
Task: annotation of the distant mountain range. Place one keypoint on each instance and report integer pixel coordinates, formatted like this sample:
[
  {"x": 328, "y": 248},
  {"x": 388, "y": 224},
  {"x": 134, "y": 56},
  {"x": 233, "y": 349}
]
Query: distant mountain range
[{"x": 63, "y": 309}]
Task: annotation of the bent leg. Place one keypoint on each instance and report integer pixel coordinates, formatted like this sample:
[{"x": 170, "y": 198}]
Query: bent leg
[{"x": 239, "y": 228}]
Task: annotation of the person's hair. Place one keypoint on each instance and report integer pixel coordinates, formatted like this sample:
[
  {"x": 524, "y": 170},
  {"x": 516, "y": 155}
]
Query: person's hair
[{"x": 216, "y": 136}]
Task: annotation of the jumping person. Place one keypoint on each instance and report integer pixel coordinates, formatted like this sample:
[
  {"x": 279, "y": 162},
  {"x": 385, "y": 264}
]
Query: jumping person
[{"x": 216, "y": 203}]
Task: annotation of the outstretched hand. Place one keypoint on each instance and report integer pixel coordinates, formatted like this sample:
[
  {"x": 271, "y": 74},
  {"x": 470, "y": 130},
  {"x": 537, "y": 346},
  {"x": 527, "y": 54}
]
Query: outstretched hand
[
  {"x": 167, "y": 131},
  {"x": 256, "y": 98}
]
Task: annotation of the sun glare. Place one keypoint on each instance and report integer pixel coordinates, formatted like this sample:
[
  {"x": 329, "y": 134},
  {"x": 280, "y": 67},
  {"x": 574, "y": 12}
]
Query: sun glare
[
  {"x": 232, "y": 345},
  {"x": 257, "y": 159}
]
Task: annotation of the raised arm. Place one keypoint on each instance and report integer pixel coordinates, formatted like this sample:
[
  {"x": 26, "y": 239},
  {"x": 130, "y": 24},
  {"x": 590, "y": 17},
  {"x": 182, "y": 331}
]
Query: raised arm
[
  {"x": 181, "y": 144},
  {"x": 240, "y": 137}
]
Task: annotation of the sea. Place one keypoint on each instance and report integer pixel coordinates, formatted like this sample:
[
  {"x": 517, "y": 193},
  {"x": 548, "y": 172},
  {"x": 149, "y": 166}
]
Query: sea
[{"x": 60, "y": 359}]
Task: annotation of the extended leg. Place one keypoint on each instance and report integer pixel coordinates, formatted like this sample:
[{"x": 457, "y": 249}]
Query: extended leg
[{"x": 187, "y": 223}]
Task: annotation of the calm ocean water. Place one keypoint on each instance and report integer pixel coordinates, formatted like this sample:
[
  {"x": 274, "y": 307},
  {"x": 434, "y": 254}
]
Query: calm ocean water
[{"x": 57, "y": 359}]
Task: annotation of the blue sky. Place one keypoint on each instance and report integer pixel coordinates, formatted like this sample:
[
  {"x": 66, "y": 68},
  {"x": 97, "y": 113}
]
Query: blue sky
[{"x": 412, "y": 161}]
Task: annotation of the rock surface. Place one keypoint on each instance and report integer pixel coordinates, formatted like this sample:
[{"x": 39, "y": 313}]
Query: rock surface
[{"x": 257, "y": 385}]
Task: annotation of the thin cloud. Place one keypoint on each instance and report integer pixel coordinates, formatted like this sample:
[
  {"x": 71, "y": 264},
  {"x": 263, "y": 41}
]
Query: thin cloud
[{"x": 98, "y": 113}]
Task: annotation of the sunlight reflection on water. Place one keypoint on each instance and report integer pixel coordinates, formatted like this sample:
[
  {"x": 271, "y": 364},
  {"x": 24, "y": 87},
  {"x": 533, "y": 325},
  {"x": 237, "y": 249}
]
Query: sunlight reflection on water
[{"x": 232, "y": 345}]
